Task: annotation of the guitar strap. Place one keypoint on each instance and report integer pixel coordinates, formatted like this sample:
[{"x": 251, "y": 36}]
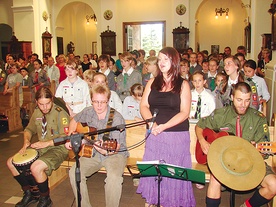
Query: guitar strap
[{"x": 109, "y": 124}]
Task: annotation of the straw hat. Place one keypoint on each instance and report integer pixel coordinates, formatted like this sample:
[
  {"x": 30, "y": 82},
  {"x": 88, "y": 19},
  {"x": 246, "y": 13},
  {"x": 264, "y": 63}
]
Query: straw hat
[{"x": 236, "y": 163}]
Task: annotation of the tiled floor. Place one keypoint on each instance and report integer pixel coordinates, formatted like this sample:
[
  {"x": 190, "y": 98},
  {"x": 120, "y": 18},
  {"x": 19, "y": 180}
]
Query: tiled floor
[{"x": 62, "y": 195}]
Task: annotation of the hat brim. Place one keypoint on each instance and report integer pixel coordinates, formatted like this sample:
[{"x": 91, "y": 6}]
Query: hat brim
[{"x": 239, "y": 182}]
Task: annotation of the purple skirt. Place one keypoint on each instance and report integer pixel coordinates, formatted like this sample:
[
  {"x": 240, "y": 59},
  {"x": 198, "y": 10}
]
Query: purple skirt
[{"x": 172, "y": 148}]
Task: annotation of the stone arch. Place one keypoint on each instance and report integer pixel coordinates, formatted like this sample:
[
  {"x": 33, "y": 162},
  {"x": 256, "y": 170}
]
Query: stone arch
[
  {"x": 223, "y": 32},
  {"x": 71, "y": 26}
]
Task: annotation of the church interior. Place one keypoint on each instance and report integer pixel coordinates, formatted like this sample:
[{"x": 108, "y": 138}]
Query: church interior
[{"x": 50, "y": 28}]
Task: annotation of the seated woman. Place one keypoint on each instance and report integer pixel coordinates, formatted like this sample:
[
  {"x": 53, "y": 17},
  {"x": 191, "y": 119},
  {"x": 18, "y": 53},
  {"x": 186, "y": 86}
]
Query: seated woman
[{"x": 131, "y": 105}]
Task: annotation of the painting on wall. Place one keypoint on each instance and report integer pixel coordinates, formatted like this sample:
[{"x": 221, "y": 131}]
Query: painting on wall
[
  {"x": 215, "y": 49},
  {"x": 60, "y": 45},
  {"x": 108, "y": 42}
]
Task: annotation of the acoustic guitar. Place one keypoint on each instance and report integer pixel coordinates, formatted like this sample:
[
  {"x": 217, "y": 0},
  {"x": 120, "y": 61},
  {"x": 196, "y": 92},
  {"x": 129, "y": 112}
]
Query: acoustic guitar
[
  {"x": 266, "y": 148},
  {"x": 209, "y": 135},
  {"x": 86, "y": 149}
]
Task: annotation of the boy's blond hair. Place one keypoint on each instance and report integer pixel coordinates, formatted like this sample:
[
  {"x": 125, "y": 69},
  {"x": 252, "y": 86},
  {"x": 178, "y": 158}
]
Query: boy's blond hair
[
  {"x": 88, "y": 74},
  {"x": 152, "y": 60}
]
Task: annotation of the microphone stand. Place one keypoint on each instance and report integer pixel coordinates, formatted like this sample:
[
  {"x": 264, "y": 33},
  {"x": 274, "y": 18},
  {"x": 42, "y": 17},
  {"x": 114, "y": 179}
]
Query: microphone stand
[{"x": 76, "y": 143}]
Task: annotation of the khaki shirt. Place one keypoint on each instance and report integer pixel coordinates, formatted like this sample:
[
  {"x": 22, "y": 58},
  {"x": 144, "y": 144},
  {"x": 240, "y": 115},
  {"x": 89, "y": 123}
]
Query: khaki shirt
[
  {"x": 254, "y": 124},
  {"x": 57, "y": 123}
]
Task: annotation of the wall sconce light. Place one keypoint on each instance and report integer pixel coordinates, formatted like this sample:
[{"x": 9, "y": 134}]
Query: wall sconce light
[
  {"x": 221, "y": 11},
  {"x": 88, "y": 17}
]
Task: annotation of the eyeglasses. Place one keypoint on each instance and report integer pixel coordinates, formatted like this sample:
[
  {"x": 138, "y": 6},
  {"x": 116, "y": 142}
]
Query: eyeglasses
[{"x": 99, "y": 102}]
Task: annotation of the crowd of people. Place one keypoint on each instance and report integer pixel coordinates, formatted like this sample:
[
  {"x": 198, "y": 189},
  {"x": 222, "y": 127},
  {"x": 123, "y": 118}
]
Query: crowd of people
[{"x": 102, "y": 93}]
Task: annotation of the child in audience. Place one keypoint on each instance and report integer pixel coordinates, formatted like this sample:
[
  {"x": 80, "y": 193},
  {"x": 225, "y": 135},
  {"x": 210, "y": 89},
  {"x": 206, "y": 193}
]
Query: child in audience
[
  {"x": 212, "y": 73},
  {"x": 103, "y": 62},
  {"x": 39, "y": 76},
  {"x": 185, "y": 69},
  {"x": 250, "y": 67},
  {"x": 27, "y": 81},
  {"x": 221, "y": 82},
  {"x": 203, "y": 102},
  {"x": 205, "y": 67},
  {"x": 152, "y": 69},
  {"x": 112, "y": 67},
  {"x": 73, "y": 90},
  {"x": 128, "y": 77},
  {"x": 134, "y": 63},
  {"x": 88, "y": 77},
  {"x": 14, "y": 79},
  {"x": 114, "y": 101},
  {"x": 131, "y": 105}
]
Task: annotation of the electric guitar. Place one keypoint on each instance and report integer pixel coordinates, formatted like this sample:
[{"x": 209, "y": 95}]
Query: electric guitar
[
  {"x": 266, "y": 148},
  {"x": 86, "y": 149}
]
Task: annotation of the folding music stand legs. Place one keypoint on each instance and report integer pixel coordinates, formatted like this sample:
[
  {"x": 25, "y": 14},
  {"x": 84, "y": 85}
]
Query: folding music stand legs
[
  {"x": 148, "y": 169},
  {"x": 159, "y": 179}
]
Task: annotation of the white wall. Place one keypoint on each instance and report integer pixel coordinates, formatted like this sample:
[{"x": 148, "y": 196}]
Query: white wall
[{"x": 65, "y": 20}]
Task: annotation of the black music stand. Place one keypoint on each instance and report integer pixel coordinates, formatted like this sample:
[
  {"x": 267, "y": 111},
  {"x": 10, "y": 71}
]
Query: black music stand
[{"x": 155, "y": 168}]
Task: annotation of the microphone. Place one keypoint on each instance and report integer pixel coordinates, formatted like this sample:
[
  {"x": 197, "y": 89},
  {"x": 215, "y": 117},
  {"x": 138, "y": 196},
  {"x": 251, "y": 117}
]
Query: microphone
[{"x": 155, "y": 112}]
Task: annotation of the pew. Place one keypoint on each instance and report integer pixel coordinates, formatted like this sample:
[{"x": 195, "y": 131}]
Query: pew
[
  {"x": 53, "y": 87},
  {"x": 29, "y": 100},
  {"x": 9, "y": 106}
]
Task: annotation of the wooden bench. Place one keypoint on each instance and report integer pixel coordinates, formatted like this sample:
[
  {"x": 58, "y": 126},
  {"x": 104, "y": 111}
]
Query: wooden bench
[
  {"x": 57, "y": 177},
  {"x": 29, "y": 100},
  {"x": 9, "y": 106},
  {"x": 53, "y": 87}
]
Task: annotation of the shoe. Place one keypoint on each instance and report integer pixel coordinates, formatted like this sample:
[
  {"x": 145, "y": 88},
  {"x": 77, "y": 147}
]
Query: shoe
[
  {"x": 44, "y": 201},
  {"x": 199, "y": 186},
  {"x": 243, "y": 205},
  {"x": 26, "y": 200}
]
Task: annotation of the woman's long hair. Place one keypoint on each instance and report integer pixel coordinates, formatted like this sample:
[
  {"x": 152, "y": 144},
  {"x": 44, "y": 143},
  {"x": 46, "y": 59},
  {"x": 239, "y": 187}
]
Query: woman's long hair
[{"x": 173, "y": 73}]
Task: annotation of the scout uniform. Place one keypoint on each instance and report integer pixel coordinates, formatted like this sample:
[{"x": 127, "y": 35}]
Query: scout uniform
[
  {"x": 254, "y": 124},
  {"x": 125, "y": 80},
  {"x": 76, "y": 95},
  {"x": 57, "y": 126},
  {"x": 208, "y": 104}
]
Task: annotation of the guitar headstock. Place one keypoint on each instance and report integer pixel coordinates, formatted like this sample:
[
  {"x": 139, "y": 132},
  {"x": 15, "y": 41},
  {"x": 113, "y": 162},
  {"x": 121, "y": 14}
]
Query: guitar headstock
[
  {"x": 110, "y": 145},
  {"x": 267, "y": 148}
]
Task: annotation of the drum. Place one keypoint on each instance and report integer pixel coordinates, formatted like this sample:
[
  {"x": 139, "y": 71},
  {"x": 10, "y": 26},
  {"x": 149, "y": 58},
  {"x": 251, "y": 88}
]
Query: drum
[{"x": 22, "y": 162}]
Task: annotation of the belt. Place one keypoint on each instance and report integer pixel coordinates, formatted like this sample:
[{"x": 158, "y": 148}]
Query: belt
[
  {"x": 125, "y": 93},
  {"x": 74, "y": 103}
]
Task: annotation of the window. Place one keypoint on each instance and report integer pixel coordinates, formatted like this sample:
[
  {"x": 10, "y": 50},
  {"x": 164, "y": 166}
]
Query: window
[{"x": 144, "y": 35}]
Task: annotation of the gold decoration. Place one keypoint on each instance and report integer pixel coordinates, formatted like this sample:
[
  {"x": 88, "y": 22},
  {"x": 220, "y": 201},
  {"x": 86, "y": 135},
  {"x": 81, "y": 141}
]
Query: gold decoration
[
  {"x": 180, "y": 9},
  {"x": 45, "y": 16},
  {"x": 108, "y": 14}
]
